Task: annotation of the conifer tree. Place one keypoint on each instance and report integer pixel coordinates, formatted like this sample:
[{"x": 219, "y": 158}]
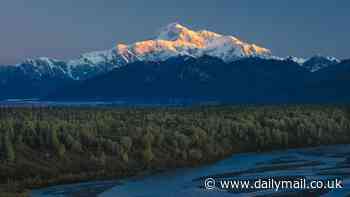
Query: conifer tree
[{"x": 9, "y": 151}]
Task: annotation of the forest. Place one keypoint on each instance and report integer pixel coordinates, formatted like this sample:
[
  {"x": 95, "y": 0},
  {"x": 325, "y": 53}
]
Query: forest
[{"x": 41, "y": 146}]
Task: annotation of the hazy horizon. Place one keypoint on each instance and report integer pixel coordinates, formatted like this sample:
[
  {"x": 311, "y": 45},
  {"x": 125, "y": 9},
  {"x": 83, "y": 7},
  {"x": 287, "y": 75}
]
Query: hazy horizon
[{"x": 65, "y": 29}]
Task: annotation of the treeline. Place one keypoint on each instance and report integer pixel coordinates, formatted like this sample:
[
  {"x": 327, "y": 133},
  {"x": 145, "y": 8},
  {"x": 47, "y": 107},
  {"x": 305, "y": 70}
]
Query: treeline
[{"x": 43, "y": 146}]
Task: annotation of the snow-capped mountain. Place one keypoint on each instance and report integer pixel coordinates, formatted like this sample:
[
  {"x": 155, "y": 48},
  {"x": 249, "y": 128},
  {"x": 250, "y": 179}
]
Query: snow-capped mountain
[
  {"x": 43, "y": 66},
  {"x": 79, "y": 69},
  {"x": 176, "y": 39},
  {"x": 318, "y": 62},
  {"x": 34, "y": 78},
  {"x": 312, "y": 64},
  {"x": 173, "y": 40}
]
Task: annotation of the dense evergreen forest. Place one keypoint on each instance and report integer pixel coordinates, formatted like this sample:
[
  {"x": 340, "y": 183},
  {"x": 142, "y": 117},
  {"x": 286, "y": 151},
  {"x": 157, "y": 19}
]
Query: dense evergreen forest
[{"x": 53, "y": 145}]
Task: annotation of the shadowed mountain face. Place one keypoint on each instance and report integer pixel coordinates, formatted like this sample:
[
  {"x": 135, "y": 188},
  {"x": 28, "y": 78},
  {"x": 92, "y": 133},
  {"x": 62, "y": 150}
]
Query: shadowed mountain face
[
  {"x": 16, "y": 83},
  {"x": 181, "y": 63},
  {"x": 250, "y": 80},
  {"x": 333, "y": 82}
]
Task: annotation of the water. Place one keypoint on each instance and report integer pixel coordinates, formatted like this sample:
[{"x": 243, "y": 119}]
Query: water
[
  {"x": 328, "y": 162},
  {"x": 123, "y": 102}
]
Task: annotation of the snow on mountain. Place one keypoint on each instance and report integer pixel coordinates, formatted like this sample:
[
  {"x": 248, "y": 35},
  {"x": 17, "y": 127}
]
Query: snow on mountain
[
  {"x": 43, "y": 66},
  {"x": 319, "y": 62},
  {"x": 297, "y": 60},
  {"x": 173, "y": 40},
  {"x": 312, "y": 64}
]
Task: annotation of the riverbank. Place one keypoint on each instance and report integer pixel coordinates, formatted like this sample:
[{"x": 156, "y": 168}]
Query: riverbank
[
  {"x": 318, "y": 163},
  {"x": 58, "y": 145}
]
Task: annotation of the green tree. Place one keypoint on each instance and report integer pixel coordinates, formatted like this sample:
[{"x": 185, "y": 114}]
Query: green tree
[
  {"x": 124, "y": 148},
  {"x": 61, "y": 150},
  {"x": 147, "y": 155},
  {"x": 55, "y": 144},
  {"x": 9, "y": 151},
  {"x": 126, "y": 143}
]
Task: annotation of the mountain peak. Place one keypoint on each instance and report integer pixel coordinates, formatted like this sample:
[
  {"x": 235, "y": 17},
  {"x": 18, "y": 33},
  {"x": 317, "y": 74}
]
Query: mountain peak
[
  {"x": 174, "y": 31},
  {"x": 40, "y": 61},
  {"x": 319, "y": 62},
  {"x": 319, "y": 57},
  {"x": 173, "y": 40},
  {"x": 175, "y": 25}
]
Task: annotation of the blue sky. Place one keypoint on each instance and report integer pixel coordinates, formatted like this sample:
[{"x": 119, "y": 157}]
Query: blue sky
[{"x": 66, "y": 28}]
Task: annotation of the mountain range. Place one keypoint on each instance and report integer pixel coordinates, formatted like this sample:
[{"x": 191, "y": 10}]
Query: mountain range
[{"x": 181, "y": 63}]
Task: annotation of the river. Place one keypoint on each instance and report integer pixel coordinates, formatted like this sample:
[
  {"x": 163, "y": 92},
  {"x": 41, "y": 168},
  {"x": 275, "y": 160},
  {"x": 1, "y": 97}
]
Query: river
[{"x": 320, "y": 163}]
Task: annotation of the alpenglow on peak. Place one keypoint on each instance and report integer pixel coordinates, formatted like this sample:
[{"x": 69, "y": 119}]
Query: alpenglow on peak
[
  {"x": 176, "y": 39},
  {"x": 173, "y": 40}
]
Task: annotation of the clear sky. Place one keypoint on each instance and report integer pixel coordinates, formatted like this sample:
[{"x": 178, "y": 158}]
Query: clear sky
[{"x": 64, "y": 29}]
